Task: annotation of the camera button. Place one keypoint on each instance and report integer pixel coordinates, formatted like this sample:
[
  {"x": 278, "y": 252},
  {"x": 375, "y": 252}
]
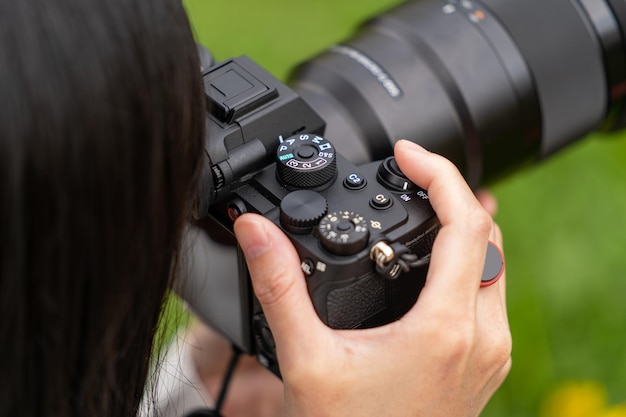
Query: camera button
[
  {"x": 236, "y": 208},
  {"x": 381, "y": 201},
  {"x": 354, "y": 181},
  {"x": 308, "y": 267}
]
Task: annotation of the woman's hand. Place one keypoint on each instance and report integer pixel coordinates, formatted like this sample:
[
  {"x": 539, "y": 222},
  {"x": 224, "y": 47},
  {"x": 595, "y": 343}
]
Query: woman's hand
[{"x": 445, "y": 357}]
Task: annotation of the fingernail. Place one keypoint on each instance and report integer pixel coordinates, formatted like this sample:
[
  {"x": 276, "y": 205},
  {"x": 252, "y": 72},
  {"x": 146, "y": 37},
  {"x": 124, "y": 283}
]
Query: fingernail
[
  {"x": 252, "y": 237},
  {"x": 412, "y": 146}
]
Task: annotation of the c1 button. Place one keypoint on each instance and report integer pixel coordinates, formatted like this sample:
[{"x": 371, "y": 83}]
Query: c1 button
[
  {"x": 381, "y": 201},
  {"x": 354, "y": 181}
]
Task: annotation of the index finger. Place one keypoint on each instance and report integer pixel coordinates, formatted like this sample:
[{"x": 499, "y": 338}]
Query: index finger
[{"x": 458, "y": 254}]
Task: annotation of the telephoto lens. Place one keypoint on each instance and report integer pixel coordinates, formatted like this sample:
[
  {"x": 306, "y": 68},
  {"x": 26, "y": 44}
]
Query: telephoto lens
[{"x": 491, "y": 84}]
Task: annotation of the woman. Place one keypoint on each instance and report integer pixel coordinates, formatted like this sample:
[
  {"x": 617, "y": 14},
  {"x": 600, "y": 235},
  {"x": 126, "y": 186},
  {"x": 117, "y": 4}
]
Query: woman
[{"x": 100, "y": 137}]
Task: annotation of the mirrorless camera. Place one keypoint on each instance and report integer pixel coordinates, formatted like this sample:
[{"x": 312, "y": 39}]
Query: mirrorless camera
[
  {"x": 492, "y": 84},
  {"x": 363, "y": 233}
]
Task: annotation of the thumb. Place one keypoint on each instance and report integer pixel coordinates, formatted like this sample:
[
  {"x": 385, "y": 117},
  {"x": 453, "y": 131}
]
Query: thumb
[{"x": 277, "y": 279}]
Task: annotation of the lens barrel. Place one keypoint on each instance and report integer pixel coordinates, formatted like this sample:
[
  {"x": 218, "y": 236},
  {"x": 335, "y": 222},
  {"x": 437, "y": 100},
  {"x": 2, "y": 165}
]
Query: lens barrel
[{"x": 491, "y": 84}]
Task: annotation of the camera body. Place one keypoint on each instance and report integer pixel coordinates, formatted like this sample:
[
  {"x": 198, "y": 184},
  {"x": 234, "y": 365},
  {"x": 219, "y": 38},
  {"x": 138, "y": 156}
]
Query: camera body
[{"x": 363, "y": 233}]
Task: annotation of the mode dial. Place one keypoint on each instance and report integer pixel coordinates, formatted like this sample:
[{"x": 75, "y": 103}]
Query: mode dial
[
  {"x": 306, "y": 161},
  {"x": 343, "y": 233},
  {"x": 301, "y": 211}
]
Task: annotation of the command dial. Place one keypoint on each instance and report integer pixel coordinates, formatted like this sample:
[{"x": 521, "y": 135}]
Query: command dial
[
  {"x": 343, "y": 233},
  {"x": 306, "y": 161},
  {"x": 301, "y": 211}
]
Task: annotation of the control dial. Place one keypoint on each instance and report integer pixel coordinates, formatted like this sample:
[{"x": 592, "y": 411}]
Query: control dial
[
  {"x": 392, "y": 178},
  {"x": 301, "y": 211},
  {"x": 343, "y": 233},
  {"x": 306, "y": 161}
]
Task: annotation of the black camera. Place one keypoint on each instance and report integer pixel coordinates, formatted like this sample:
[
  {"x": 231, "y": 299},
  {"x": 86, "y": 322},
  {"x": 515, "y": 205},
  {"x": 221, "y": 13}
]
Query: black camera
[
  {"x": 493, "y": 85},
  {"x": 363, "y": 233}
]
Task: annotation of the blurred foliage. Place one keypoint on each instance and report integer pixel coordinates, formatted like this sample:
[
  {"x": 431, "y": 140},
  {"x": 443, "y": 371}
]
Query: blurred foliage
[
  {"x": 580, "y": 399},
  {"x": 564, "y": 219}
]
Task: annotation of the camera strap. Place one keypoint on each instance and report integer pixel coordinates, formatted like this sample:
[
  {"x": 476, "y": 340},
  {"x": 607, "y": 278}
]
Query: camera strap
[{"x": 215, "y": 412}]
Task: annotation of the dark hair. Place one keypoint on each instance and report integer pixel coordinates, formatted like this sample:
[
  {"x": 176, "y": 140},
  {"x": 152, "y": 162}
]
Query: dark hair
[{"x": 101, "y": 131}]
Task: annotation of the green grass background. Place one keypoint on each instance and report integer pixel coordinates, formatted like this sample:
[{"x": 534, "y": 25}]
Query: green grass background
[{"x": 564, "y": 220}]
